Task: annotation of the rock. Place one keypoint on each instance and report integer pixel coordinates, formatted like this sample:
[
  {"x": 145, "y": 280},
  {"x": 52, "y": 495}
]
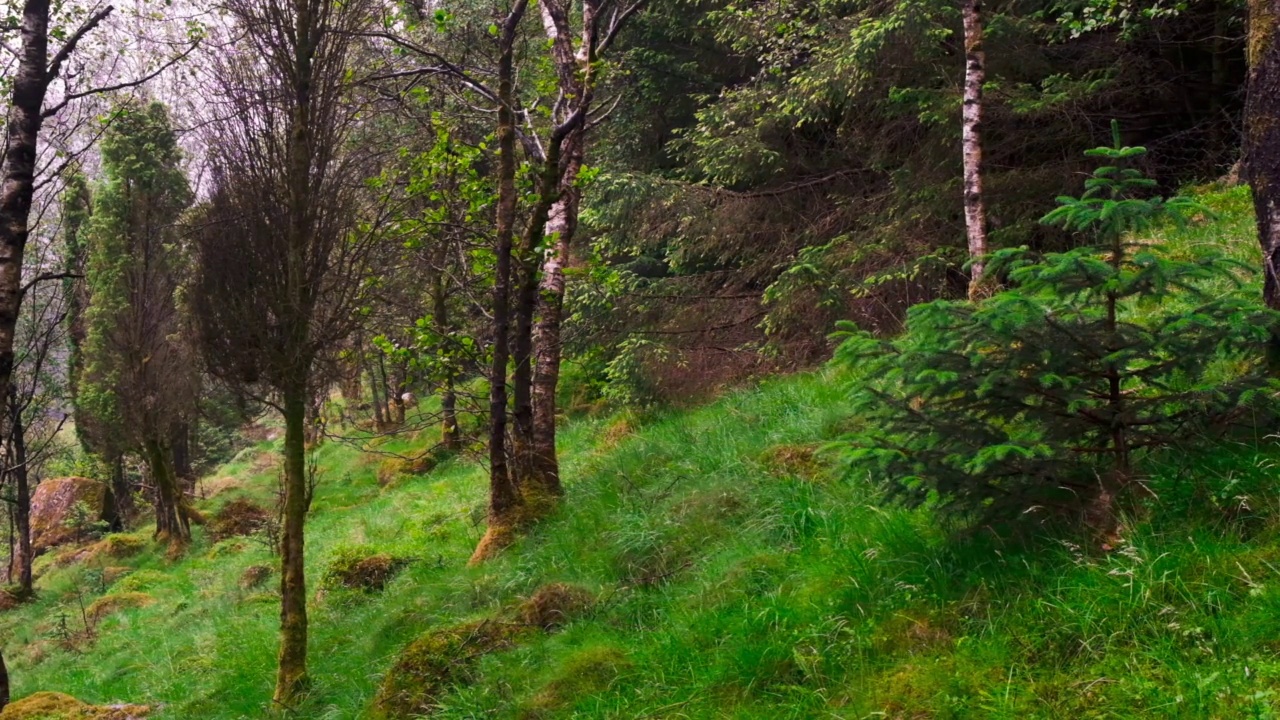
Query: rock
[
  {"x": 54, "y": 507},
  {"x": 57, "y": 706}
]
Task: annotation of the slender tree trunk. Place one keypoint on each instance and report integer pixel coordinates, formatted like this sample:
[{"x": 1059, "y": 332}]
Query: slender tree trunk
[
  {"x": 172, "y": 523},
  {"x": 1262, "y": 138},
  {"x": 25, "y": 554},
  {"x": 17, "y": 173},
  {"x": 389, "y": 401},
  {"x": 504, "y": 499},
  {"x": 376, "y": 399},
  {"x": 13, "y": 553},
  {"x": 291, "y": 676},
  {"x": 523, "y": 442},
  {"x": 561, "y": 226},
  {"x": 182, "y": 454},
  {"x": 121, "y": 493},
  {"x": 975, "y": 215},
  {"x": 448, "y": 398},
  {"x": 4, "y": 683},
  {"x": 22, "y": 492}
]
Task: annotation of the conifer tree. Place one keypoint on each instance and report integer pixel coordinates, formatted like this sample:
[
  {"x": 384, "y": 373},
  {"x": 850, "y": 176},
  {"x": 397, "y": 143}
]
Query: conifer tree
[
  {"x": 1047, "y": 396},
  {"x": 136, "y": 372}
]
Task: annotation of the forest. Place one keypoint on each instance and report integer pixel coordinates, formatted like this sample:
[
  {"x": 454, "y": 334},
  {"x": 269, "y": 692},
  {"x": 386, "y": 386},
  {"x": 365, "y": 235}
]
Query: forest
[{"x": 394, "y": 359}]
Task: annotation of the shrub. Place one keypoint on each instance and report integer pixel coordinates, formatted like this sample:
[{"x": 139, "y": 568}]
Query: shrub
[{"x": 1046, "y": 395}]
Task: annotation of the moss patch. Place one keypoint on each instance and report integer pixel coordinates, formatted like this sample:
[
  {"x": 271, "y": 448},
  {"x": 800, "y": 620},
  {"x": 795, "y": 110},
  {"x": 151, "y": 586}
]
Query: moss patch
[
  {"x": 112, "y": 604},
  {"x": 584, "y": 673},
  {"x": 436, "y": 661},
  {"x": 361, "y": 568},
  {"x": 237, "y": 518},
  {"x": 56, "y": 706}
]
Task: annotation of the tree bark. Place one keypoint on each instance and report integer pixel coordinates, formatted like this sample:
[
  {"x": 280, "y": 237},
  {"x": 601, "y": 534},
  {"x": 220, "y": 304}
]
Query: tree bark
[
  {"x": 121, "y": 492},
  {"x": 523, "y": 440},
  {"x": 379, "y": 421},
  {"x": 4, "y": 683},
  {"x": 448, "y": 398},
  {"x": 291, "y": 677},
  {"x": 17, "y": 174},
  {"x": 561, "y": 226},
  {"x": 975, "y": 216},
  {"x": 18, "y": 168},
  {"x": 172, "y": 523},
  {"x": 504, "y": 499},
  {"x": 22, "y": 492},
  {"x": 1262, "y": 138}
]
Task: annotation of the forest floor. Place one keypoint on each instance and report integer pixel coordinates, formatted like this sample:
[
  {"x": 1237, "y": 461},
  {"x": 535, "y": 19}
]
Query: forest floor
[{"x": 721, "y": 566}]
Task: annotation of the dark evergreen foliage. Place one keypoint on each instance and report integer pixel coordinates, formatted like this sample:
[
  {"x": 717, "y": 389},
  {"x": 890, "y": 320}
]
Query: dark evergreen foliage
[{"x": 1046, "y": 396}]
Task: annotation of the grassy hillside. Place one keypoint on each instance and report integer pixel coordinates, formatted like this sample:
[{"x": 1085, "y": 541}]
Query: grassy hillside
[{"x": 733, "y": 571}]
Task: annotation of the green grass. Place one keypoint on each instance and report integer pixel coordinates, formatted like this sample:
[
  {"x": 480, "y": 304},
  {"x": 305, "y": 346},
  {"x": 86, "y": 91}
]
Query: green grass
[{"x": 737, "y": 576}]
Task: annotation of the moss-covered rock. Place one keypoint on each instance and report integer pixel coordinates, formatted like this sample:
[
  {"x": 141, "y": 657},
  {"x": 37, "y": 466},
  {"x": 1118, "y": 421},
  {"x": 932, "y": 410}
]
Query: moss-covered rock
[
  {"x": 436, "y": 661},
  {"x": 361, "y": 568},
  {"x": 57, "y": 706},
  {"x": 117, "y": 602},
  {"x": 63, "y": 508}
]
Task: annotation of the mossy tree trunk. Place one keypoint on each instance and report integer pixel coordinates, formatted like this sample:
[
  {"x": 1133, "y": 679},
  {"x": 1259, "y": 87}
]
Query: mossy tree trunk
[
  {"x": 504, "y": 498},
  {"x": 1262, "y": 138},
  {"x": 448, "y": 396},
  {"x": 291, "y": 677},
  {"x": 561, "y": 226},
  {"x": 172, "y": 521},
  {"x": 22, "y": 492}
]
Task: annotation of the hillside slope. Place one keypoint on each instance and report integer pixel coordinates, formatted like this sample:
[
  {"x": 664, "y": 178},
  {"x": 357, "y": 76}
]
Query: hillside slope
[{"x": 721, "y": 568}]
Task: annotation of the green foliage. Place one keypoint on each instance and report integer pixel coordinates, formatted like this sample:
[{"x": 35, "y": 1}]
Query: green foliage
[
  {"x": 131, "y": 260},
  {"x": 1045, "y": 395},
  {"x": 83, "y": 520}
]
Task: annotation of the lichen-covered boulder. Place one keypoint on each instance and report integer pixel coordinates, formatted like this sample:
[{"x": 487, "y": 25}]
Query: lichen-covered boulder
[{"x": 63, "y": 509}]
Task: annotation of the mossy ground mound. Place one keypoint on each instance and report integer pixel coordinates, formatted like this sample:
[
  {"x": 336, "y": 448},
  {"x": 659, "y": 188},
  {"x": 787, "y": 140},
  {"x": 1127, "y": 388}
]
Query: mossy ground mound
[
  {"x": 361, "y": 568},
  {"x": 555, "y": 605},
  {"x": 590, "y": 670},
  {"x": 111, "y": 604},
  {"x": 238, "y": 518},
  {"x": 392, "y": 470},
  {"x": 57, "y": 706},
  {"x": 255, "y": 576},
  {"x": 436, "y": 661}
]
